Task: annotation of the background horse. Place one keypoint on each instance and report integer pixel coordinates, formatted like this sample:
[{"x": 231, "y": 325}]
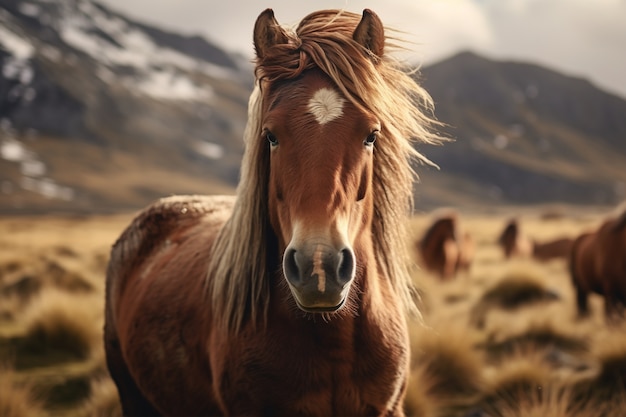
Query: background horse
[
  {"x": 291, "y": 298},
  {"x": 598, "y": 264},
  {"x": 444, "y": 248},
  {"x": 515, "y": 243}
]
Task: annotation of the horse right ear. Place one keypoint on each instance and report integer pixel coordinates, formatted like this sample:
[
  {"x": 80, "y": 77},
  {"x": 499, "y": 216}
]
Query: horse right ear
[
  {"x": 370, "y": 33},
  {"x": 267, "y": 33}
]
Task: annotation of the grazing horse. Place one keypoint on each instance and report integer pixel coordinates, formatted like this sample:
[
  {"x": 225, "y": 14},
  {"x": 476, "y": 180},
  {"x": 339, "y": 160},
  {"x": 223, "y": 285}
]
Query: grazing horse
[
  {"x": 292, "y": 297},
  {"x": 444, "y": 249},
  {"x": 515, "y": 243},
  {"x": 598, "y": 264}
]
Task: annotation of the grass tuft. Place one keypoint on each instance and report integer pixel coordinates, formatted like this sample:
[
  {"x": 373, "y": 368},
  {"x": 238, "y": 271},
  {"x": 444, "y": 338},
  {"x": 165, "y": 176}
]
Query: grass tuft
[
  {"x": 103, "y": 401},
  {"x": 538, "y": 337},
  {"x": 512, "y": 292},
  {"x": 58, "y": 327},
  {"x": 18, "y": 399},
  {"x": 445, "y": 369}
]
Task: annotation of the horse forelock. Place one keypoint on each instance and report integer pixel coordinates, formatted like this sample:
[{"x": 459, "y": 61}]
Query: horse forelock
[{"x": 379, "y": 85}]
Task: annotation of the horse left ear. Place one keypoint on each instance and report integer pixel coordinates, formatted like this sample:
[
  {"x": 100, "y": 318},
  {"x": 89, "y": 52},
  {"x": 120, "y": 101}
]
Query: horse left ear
[
  {"x": 267, "y": 33},
  {"x": 370, "y": 33}
]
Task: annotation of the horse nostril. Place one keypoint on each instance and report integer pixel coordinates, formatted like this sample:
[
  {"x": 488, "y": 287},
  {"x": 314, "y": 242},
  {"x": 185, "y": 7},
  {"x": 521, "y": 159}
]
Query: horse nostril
[
  {"x": 290, "y": 265},
  {"x": 345, "y": 270}
]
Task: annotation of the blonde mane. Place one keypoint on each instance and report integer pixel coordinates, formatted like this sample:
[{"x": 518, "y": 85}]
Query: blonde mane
[{"x": 239, "y": 271}]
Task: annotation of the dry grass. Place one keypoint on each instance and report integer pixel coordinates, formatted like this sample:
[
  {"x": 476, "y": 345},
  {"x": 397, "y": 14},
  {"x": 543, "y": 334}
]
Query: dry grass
[
  {"x": 502, "y": 340},
  {"x": 18, "y": 399},
  {"x": 59, "y": 327}
]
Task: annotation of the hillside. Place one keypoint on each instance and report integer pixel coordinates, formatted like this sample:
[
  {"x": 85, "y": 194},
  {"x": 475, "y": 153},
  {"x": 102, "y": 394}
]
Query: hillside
[
  {"x": 100, "y": 113},
  {"x": 525, "y": 134}
]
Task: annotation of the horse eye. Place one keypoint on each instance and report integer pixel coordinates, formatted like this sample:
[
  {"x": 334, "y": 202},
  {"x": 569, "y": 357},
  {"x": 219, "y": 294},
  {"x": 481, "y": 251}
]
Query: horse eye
[
  {"x": 271, "y": 138},
  {"x": 371, "y": 138}
]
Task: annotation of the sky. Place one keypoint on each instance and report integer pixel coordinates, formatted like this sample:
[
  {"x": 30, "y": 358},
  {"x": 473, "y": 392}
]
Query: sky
[{"x": 581, "y": 38}]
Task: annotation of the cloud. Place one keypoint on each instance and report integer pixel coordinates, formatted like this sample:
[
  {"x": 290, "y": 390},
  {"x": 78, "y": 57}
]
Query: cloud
[{"x": 579, "y": 37}]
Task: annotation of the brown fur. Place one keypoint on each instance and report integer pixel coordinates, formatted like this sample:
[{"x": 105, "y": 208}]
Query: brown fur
[
  {"x": 444, "y": 248},
  {"x": 598, "y": 264},
  {"x": 514, "y": 243},
  {"x": 202, "y": 308}
]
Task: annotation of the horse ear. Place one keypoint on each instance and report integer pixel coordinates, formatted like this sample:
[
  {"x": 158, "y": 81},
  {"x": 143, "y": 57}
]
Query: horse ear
[
  {"x": 267, "y": 33},
  {"x": 370, "y": 33}
]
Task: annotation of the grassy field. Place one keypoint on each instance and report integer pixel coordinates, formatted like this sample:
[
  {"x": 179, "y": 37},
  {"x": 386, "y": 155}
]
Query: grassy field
[{"x": 501, "y": 340}]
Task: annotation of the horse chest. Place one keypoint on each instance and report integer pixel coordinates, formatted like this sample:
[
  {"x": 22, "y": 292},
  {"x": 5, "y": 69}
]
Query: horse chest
[{"x": 323, "y": 374}]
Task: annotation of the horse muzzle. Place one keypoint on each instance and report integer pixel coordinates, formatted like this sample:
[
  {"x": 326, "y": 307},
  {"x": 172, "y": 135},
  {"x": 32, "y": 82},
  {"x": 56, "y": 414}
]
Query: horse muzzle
[{"x": 319, "y": 276}]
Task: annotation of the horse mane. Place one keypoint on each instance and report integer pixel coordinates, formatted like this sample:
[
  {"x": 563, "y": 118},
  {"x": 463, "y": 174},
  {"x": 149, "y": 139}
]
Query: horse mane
[{"x": 380, "y": 85}]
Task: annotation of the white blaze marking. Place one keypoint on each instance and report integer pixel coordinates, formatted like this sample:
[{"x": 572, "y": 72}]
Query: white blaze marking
[
  {"x": 326, "y": 105},
  {"x": 319, "y": 270}
]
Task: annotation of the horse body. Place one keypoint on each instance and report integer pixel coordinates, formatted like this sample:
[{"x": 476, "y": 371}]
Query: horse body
[
  {"x": 444, "y": 249},
  {"x": 176, "y": 360},
  {"x": 598, "y": 265},
  {"x": 514, "y": 243},
  {"x": 553, "y": 249},
  {"x": 291, "y": 298}
]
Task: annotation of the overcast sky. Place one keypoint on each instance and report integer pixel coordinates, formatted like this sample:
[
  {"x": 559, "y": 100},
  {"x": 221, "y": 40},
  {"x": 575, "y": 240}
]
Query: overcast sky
[{"x": 584, "y": 38}]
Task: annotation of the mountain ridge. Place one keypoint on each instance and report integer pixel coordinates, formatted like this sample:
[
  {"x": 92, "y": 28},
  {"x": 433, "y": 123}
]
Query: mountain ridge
[{"x": 101, "y": 113}]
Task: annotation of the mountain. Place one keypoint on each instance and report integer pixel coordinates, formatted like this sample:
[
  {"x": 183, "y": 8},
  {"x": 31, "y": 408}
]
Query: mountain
[
  {"x": 102, "y": 113},
  {"x": 524, "y": 134},
  {"x": 99, "y": 112}
]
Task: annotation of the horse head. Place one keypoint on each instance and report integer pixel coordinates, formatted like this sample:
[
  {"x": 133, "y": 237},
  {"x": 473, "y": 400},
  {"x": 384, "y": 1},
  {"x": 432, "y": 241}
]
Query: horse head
[{"x": 321, "y": 146}]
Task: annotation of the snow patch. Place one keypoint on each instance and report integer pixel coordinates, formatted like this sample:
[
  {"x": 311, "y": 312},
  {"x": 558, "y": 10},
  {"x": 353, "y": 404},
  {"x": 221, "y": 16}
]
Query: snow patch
[
  {"x": 209, "y": 149},
  {"x": 20, "y": 48}
]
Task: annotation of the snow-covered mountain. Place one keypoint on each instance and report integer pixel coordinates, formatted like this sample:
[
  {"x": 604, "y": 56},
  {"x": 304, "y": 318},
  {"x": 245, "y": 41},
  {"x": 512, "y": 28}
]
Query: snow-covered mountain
[
  {"x": 76, "y": 72},
  {"x": 99, "y": 113}
]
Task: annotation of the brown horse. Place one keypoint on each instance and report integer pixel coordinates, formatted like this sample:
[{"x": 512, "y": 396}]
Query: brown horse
[
  {"x": 514, "y": 243},
  {"x": 598, "y": 264},
  {"x": 291, "y": 298},
  {"x": 444, "y": 249}
]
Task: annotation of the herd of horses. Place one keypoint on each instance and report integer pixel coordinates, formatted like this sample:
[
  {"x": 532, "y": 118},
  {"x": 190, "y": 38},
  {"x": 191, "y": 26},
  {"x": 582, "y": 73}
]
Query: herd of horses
[
  {"x": 596, "y": 259},
  {"x": 293, "y": 297}
]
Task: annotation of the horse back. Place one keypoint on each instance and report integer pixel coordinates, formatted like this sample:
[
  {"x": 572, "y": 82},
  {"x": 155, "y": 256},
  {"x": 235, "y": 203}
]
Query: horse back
[
  {"x": 558, "y": 248},
  {"x": 157, "y": 226}
]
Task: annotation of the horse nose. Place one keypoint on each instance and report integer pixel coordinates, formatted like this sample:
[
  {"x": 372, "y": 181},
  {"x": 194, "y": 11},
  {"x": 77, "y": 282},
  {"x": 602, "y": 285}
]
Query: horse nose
[
  {"x": 345, "y": 269},
  {"x": 299, "y": 267},
  {"x": 319, "y": 277}
]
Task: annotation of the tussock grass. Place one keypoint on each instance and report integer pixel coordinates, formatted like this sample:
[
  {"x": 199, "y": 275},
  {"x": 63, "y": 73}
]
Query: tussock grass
[
  {"x": 608, "y": 385},
  {"x": 64, "y": 278},
  {"x": 58, "y": 327},
  {"x": 17, "y": 399},
  {"x": 445, "y": 370},
  {"x": 556, "y": 400},
  {"x": 103, "y": 401},
  {"x": 537, "y": 337},
  {"x": 513, "y": 291},
  {"x": 522, "y": 377}
]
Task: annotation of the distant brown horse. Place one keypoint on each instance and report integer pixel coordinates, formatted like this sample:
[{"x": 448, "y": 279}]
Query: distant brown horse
[
  {"x": 515, "y": 243},
  {"x": 291, "y": 298},
  {"x": 598, "y": 264},
  {"x": 444, "y": 249}
]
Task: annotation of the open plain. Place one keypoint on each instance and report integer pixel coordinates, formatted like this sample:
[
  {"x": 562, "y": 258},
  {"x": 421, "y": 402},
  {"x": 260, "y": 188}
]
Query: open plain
[{"x": 502, "y": 339}]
